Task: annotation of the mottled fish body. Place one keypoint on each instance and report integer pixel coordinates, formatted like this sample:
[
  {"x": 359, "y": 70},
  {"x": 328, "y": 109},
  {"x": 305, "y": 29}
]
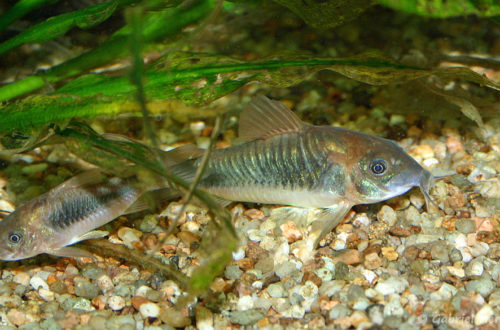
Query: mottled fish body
[
  {"x": 286, "y": 161},
  {"x": 65, "y": 215}
]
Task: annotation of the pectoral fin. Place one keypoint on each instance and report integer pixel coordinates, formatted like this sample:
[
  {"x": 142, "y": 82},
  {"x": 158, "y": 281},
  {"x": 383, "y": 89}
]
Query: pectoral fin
[
  {"x": 71, "y": 252},
  {"x": 90, "y": 235},
  {"x": 312, "y": 223}
]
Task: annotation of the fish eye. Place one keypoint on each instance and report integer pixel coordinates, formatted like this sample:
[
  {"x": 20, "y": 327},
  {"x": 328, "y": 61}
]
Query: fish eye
[
  {"x": 378, "y": 167},
  {"x": 15, "y": 238}
]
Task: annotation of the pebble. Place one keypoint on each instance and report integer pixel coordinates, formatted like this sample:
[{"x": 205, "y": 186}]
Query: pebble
[
  {"x": 204, "y": 318},
  {"x": 72, "y": 303},
  {"x": 129, "y": 236},
  {"x": 465, "y": 226},
  {"x": 475, "y": 268},
  {"x": 149, "y": 309},
  {"x": 149, "y": 223},
  {"x": 339, "y": 311},
  {"x": 248, "y": 317},
  {"x": 105, "y": 283},
  {"x": 233, "y": 272},
  {"x": 174, "y": 318},
  {"x": 116, "y": 303},
  {"x": 391, "y": 285},
  {"x": 393, "y": 307},
  {"x": 388, "y": 215},
  {"x": 455, "y": 255},
  {"x": 484, "y": 315},
  {"x": 372, "y": 261},
  {"x": 46, "y": 295},
  {"x": 285, "y": 269},
  {"x": 22, "y": 278},
  {"x": 482, "y": 286},
  {"x": 331, "y": 288},
  {"x": 277, "y": 290},
  {"x": 245, "y": 303},
  {"x": 439, "y": 251},
  {"x": 86, "y": 289},
  {"x": 37, "y": 282}
]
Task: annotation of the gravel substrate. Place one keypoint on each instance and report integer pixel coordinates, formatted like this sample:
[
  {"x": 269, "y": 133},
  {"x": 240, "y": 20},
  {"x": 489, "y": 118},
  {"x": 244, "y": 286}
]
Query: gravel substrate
[{"x": 393, "y": 264}]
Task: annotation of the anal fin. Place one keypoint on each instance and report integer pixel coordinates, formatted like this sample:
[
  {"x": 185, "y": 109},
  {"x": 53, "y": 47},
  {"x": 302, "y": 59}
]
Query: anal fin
[{"x": 90, "y": 235}]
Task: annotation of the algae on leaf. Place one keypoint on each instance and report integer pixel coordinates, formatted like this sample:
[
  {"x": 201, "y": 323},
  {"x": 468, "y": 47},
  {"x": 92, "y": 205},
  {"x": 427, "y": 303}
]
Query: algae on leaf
[{"x": 326, "y": 14}]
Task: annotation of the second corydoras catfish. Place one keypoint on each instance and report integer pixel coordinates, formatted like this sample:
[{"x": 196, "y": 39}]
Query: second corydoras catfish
[{"x": 323, "y": 170}]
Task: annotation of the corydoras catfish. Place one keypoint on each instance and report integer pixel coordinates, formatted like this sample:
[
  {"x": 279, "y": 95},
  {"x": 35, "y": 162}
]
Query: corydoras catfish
[
  {"x": 286, "y": 161},
  {"x": 65, "y": 215}
]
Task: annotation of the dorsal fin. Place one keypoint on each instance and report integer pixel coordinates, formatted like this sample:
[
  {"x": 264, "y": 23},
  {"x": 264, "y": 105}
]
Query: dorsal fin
[
  {"x": 182, "y": 153},
  {"x": 85, "y": 178},
  {"x": 264, "y": 118}
]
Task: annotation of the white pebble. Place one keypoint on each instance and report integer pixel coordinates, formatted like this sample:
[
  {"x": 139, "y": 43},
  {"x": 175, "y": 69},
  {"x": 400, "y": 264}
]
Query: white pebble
[
  {"x": 429, "y": 162},
  {"x": 391, "y": 285},
  {"x": 116, "y": 303},
  {"x": 239, "y": 254},
  {"x": 129, "y": 235},
  {"x": 37, "y": 282},
  {"x": 361, "y": 219},
  {"x": 105, "y": 283},
  {"x": 149, "y": 309},
  {"x": 22, "y": 278},
  {"x": 456, "y": 271},
  {"x": 197, "y": 127},
  {"x": 255, "y": 235},
  {"x": 245, "y": 303},
  {"x": 484, "y": 315},
  {"x": 46, "y": 295},
  {"x": 369, "y": 275},
  {"x": 142, "y": 291},
  {"x": 387, "y": 215}
]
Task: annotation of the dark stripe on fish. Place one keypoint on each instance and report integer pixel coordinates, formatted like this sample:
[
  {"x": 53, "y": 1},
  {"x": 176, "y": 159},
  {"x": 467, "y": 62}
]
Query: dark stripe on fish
[
  {"x": 78, "y": 208},
  {"x": 292, "y": 162}
]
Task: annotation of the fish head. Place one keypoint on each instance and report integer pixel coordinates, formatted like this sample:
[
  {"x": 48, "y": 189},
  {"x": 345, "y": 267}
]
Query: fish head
[
  {"x": 382, "y": 170},
  {"x": 18, "y": 240}
]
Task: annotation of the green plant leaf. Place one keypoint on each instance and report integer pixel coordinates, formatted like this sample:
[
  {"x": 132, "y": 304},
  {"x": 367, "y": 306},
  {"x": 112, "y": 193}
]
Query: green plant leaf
[
  {"x": 446, "y": 8},
  {"x": 197, "y": 79},
  {"x": 59, "y": 25},
  {"x": 159, "y": 24},
  {"x": 20, "y": 9}
]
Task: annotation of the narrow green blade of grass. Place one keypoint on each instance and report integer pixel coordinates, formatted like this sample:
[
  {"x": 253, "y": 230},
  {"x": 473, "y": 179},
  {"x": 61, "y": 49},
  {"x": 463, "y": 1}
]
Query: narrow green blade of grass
[
  {"x": 198, "y": 79},
  {"x": 20, "y": 9},
  {"x": 160, "y": 24}
]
